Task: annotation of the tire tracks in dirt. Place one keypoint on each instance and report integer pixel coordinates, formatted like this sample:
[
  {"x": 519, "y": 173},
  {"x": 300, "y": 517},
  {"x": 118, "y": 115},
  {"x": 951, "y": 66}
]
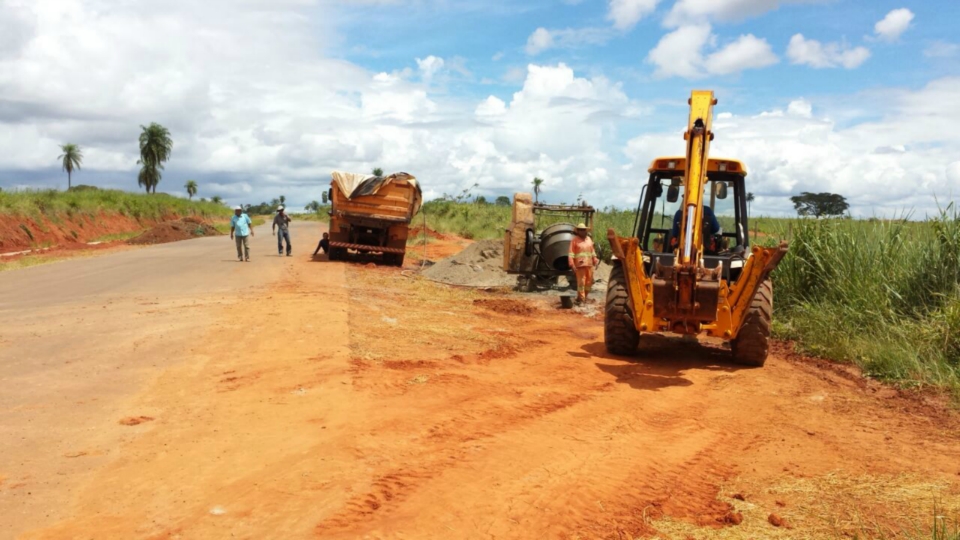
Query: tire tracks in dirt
[{"x": 391, "y": 408}]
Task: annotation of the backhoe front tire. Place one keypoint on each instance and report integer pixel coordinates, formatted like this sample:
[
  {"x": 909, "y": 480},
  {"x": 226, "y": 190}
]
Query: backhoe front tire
[
  {"x": 752, "y": 344},
  {"x": 619, "y": 335}
]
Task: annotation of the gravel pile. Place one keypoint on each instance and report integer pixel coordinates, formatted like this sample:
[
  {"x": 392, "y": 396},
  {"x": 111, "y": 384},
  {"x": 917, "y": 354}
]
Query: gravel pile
[{"x": 479, "y": 265}]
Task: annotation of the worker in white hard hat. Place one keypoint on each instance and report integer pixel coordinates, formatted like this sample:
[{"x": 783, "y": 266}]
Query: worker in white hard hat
[
  {"x": 282, "y": 221},
  {"x": 583, "y": 259},
  {"x": 241, "y": 228}
]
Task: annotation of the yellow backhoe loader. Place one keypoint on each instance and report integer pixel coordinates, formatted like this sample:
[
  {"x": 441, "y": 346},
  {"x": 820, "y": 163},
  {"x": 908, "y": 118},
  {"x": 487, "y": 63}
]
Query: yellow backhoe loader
[{"x": 690, "y": 268}]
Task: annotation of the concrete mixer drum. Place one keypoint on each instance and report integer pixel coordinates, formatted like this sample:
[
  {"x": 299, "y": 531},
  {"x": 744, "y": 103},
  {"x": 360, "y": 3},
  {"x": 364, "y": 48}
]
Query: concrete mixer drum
[
  {"x": 555, "y": 246},
  {"x": 537, "y": 244}
]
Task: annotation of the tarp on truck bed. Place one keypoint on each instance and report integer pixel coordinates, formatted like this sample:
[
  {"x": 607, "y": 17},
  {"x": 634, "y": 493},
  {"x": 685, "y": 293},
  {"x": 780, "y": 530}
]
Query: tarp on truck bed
[{"x": 359, "y": 185}]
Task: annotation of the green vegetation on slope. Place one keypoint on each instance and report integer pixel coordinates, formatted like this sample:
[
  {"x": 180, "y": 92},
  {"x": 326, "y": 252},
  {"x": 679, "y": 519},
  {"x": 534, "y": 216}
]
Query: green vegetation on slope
[
  {"x": 882, "y": 294},
  {"x": 90, "y": 201}
]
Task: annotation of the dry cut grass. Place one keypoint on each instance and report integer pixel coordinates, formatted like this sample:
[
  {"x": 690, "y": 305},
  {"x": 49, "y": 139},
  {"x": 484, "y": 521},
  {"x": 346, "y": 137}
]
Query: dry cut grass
[{"x": 837, "y": 506}]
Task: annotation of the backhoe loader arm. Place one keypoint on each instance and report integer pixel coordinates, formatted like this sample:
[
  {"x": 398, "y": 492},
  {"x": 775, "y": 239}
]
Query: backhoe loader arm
[{"x": 698, "y": 136}]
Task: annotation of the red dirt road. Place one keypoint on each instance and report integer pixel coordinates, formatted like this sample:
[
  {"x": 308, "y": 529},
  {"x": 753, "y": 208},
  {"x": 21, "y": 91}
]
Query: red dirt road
[{"x": 339, "y": 401}]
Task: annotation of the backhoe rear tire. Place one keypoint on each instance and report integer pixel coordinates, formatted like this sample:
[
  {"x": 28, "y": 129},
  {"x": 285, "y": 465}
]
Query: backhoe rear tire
[
  {"x": 752, "y": 344},
  {"x": 619, "y": 334}
]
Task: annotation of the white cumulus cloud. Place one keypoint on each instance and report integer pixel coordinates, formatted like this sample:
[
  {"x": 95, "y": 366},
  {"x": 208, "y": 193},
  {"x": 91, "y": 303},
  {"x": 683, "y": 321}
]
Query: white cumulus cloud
[
  {"x": 747, "y": 52},
  {"x": 909, "y": 162},
  {"x": 256, "y": 109},
  {"x": 429, "y": 66},
  {"x": 685, "y": 12},
  {"x": 825, "y": 55},
  {"x": 492, "y": 106},
  {"x": 681, "y": 54},
  {"x": 893, "y": 24},
  {"x": 542, "y": 39},
  {"x": 800, "y": 107},
  {"x": 625, "y": 14},
  {"x": 942, "y": 49}
]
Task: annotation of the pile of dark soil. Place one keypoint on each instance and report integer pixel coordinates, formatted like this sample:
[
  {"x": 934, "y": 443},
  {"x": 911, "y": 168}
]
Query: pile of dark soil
[{"x": 174, "y": 231}]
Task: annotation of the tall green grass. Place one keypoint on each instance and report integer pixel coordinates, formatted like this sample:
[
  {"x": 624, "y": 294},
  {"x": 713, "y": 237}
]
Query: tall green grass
[
  {"x": 882, "y": 294},
  {"x": 52, "y": 204}
]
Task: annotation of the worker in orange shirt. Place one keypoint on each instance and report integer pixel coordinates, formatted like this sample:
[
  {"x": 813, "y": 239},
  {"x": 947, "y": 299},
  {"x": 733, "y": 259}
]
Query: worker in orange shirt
[{"x": 583, "y": 259}]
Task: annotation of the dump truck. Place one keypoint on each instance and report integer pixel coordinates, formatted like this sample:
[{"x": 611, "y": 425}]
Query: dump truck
[
  {"x": 372, "y": 214},
  {"x": 537, "y": 243},
  {"x": 689, "y": 267}
]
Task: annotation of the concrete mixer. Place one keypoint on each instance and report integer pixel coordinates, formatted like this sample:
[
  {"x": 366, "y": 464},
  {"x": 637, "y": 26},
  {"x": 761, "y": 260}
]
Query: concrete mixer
[{"x": 537, "y": 244}]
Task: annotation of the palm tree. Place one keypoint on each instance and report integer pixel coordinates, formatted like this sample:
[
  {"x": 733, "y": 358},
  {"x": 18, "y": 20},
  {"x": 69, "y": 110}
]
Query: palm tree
[
  {"x": 283, "y": 200},
  {"x": 148, "y": 177},
  {"x": 537, "y": 182},
  {"x": 71, "y": 158},
  {"x": 155, "y": 148},
  {"x": 191, "y": 187},
  {"x": 216, "y": 199},
  {"x": 749, "y": 200},
  {"x": 377, "y": 171}
]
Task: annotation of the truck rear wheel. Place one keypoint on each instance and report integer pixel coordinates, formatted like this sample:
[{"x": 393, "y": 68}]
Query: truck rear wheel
[
  {"x": 752, "y": 344},
  {"x": 619, "y": 334}
]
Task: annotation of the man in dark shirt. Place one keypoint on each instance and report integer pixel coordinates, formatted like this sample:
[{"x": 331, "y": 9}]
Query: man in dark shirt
[
  {"x": 710, "y": 225},
  {"x": 282, "y": 222},
  {"x": 324, "y": 245}
]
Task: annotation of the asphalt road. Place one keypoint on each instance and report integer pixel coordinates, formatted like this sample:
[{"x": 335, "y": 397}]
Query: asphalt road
[
  {"x": 79, "y": 337},
  {"x": 178, "y": 268}
]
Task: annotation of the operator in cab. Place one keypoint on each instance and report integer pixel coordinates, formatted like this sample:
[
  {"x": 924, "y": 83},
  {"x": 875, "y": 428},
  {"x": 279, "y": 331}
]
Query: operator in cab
[{"x": 711, "y": 228}]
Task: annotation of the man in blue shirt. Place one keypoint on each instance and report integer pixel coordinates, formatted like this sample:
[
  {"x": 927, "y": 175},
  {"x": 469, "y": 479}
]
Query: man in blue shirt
[
  {"x": 241, "y": 225},
  {"x": 710, "y": 225}
]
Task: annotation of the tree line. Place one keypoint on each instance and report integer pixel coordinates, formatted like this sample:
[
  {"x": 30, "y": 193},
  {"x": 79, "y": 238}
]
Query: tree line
[{"x": 156, "y": 145}]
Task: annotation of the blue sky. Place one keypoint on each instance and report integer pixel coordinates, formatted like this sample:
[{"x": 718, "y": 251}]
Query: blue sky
[{"x": 267, "y": 97}]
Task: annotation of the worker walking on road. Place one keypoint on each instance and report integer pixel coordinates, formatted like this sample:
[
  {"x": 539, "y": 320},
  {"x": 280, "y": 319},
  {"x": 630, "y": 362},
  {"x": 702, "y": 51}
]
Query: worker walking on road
[
  {"x": 240, "y": 228},
  {"x": 282, "y": 221},
  {"x": 583, "y": 259}
]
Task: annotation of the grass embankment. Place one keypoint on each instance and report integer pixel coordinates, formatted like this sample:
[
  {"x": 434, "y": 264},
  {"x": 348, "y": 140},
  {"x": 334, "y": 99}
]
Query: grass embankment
[
  {"x": 884, "y": 295},
  {"x": 54, "y": 204},
  {"x": 41, "y": 219}
]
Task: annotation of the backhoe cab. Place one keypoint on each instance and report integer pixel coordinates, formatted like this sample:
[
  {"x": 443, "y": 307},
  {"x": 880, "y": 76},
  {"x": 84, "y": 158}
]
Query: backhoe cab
[{"x": 689, "y": 268}]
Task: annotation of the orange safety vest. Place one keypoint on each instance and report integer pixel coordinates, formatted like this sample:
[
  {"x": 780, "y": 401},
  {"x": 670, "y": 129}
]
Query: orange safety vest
[{"x": 582, "y": 252}]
